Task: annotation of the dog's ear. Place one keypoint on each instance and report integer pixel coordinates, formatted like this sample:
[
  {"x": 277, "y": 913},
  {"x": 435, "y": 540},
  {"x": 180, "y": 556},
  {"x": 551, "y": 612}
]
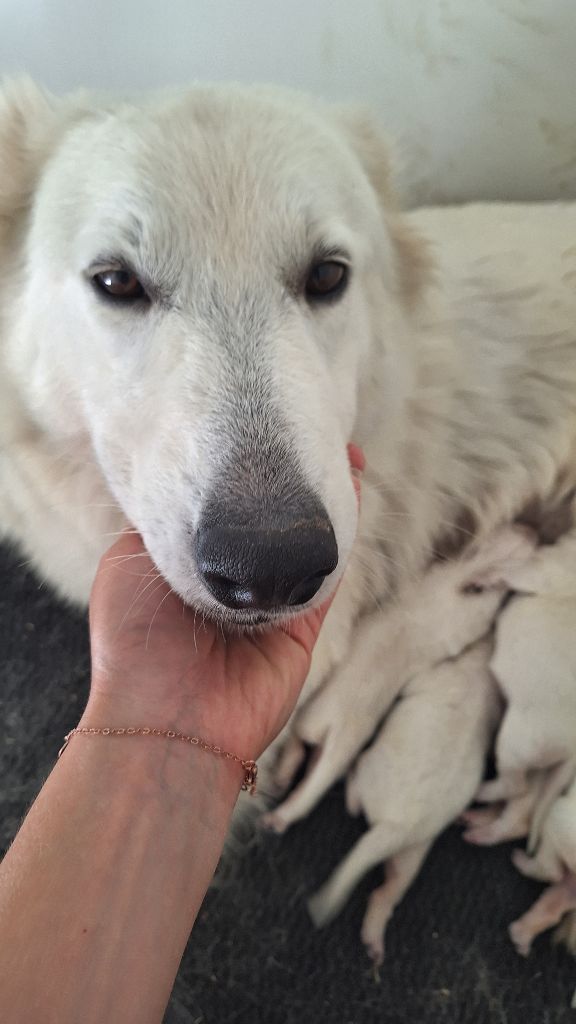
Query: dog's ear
[
  {"x": 372, "y": 150},
  {"x": 27, "y": 128},
  {"x": 32, "y": 122}
]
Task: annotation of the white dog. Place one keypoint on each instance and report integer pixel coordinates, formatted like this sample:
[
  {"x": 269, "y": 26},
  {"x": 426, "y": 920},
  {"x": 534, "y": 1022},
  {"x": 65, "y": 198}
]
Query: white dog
[
  {"x": 204, "y": 296},
  {"x": 535, "y": 665},
  {"x": 436, "y": 619},
  {"x": 554, "y": 862},
  {"x": 421, "y": 772}
]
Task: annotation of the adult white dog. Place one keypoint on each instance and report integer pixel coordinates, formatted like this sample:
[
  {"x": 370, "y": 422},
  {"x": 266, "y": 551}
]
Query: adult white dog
[{"x": 204, "y": 296}]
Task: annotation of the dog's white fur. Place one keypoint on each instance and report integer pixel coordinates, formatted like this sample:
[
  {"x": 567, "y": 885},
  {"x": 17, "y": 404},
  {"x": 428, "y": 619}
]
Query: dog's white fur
[
  {"x": 454, "y": 369},
  {"x": 555, "y": 861},
  {"x": 501, "y": 823},
  {"x": 535, "y": 666},
  {"x": 436, "y": 619},
  {"x": 419, "y": 774}
]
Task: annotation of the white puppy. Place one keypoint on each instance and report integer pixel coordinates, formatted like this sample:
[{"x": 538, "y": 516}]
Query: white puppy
[
  {"x": 554, "y": 862},
  {"x": 437, "y": 619},
  {"x": 511, "y": 819},
  {"x": 535, "y": 665},
  {"x": 419, "y": 774}
]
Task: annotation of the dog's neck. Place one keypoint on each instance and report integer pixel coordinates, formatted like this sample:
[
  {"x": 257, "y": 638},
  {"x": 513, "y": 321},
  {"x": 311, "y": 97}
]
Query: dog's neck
[{"x": 473, "y": 454}]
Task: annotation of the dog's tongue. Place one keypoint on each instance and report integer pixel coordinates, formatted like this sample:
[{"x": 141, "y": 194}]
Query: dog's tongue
[{"x": 356, "y": 457}]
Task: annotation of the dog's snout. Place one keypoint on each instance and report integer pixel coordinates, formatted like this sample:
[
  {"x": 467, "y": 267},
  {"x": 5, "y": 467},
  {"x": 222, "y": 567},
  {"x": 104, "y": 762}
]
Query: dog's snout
[{"x": 280, "y": 562}]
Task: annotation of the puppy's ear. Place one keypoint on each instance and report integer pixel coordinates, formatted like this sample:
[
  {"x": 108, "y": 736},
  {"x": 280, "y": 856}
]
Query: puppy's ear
[{"x": 369, "y": 145}]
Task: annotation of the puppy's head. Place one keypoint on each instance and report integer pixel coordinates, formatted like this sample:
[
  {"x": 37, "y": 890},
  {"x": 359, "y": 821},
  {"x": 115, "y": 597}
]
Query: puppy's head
[{"x": 213, "y": 293}]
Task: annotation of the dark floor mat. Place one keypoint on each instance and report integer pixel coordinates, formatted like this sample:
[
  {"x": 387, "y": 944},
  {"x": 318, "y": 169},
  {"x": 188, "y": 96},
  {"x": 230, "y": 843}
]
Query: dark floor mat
[{"x": 254, "y": 956}]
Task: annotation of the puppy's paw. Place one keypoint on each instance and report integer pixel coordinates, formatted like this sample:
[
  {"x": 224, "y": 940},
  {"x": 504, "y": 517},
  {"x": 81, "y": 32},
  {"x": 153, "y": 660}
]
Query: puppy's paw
[
  {"x": 273, "y": 821},
  {"x": 487, "y": 835},
  {"x": 521, "y": 936},
  {"x": 375, "y": 950},
  {"x": 320, "y": 910},
  {"x": 479, "y": 817},
  {"x": 522, "y": 862}
]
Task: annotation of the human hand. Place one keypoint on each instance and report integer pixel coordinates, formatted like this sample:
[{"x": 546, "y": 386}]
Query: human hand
[{"x": 156, "y": 663}]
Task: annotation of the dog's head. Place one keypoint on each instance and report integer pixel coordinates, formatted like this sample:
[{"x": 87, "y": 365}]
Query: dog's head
[{"x": 212, "y": 285}]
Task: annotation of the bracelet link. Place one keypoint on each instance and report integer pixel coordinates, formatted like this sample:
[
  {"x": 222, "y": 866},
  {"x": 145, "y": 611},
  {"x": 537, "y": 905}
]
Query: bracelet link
[{"x": 250, "y": 767}]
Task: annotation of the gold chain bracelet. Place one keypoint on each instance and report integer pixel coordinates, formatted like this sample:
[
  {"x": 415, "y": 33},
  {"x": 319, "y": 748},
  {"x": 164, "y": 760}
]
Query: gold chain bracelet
[{"x": 250, "y": 767}]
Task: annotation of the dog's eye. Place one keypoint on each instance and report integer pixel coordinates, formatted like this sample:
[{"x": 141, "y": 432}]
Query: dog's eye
[
  {"x": 326, "y": 280},
  {"x": 119, "y": 284}
]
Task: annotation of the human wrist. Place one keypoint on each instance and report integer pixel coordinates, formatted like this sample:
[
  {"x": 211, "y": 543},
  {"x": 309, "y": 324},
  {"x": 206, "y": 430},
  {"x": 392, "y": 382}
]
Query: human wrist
[
  {"x": 197, "y": 710},
  {"x": 151, "y": 753}
]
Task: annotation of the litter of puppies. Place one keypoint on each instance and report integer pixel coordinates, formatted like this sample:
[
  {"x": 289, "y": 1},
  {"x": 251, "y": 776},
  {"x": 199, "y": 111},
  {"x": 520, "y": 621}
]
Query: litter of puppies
[{"x": 479, "y": 656}]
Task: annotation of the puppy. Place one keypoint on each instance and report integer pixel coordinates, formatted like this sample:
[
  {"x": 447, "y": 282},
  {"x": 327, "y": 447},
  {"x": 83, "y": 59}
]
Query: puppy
[
  {"x": 437, "y": 619},
  {"x": 535, "y": 665},
  {"x": 419, "y": 774},
  {"x": 512, "y": 819},
  {"x": 555, "y": 861}
]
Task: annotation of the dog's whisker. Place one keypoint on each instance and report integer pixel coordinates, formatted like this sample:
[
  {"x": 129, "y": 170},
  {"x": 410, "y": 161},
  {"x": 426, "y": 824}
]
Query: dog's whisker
[
  {"x": 161, "y": 602},
  {"x": 134, "y": 574},
  {"x": 139, "y": 594},
  {"x": 120, "y": 559}
]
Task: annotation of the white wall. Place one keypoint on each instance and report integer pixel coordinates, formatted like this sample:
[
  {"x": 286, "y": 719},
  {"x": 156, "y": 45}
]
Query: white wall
[{"x": 482, "y": 93}]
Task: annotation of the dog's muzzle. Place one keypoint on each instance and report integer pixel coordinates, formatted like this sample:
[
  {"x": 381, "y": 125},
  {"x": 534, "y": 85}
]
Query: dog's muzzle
[{"x": 266, "y": 558}]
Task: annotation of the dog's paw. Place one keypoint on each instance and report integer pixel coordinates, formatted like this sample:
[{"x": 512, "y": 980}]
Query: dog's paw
[
  {"x": 320, "y": 910},
  {"x": 521, "y": 936},
  {"x": 375, "y": 950},
  {"x": 273, "y": 821}
]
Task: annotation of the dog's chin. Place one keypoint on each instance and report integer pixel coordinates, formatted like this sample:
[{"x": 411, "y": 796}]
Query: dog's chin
[
  {"x": 246, "y": 620},
  {"x": 254, "y": 619}
]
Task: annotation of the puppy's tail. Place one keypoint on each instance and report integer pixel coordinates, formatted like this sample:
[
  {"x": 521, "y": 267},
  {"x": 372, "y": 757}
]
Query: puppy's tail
[
  {"x": 373, "y": 848},
  {"x": 559, "y": 778}
]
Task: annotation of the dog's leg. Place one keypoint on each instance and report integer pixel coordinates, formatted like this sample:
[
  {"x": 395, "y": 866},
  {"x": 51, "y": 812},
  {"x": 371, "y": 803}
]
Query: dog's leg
[
  {"x": 400, "y": 872},
  {"x": 508, "y": 784},
  {"x": 328, "y": 763},
  {"x": 566, "y": 932},
  {"x": 372, "y": 848},
  {"x": 291, "y": 757},
  {"x": 489, "y": 826},
  {"x": 547, "y": 911},
  {"x": 546, "y": 866}
]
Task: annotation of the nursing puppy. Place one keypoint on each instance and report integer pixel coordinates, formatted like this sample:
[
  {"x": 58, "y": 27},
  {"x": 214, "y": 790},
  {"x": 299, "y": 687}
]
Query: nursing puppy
[
  {"x": 535, "y": 666},
  {"x": 205, "y": 295},
  {"x": 555, "y": 861},
  {"x": 420, "y": 773},
  {"x": 436, "y": 619},
  {"x": 503, "y": 821}
]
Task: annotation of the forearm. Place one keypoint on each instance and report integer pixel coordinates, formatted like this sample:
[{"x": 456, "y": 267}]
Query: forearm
[{"x": 102, "y": 884}]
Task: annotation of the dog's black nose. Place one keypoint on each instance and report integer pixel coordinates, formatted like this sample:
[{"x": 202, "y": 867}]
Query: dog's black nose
[{"x": 280, "y": 562}]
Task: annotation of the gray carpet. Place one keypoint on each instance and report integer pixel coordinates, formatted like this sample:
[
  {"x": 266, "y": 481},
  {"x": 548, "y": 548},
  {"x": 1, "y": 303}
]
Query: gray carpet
[{"x": 254, "y": 956}]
